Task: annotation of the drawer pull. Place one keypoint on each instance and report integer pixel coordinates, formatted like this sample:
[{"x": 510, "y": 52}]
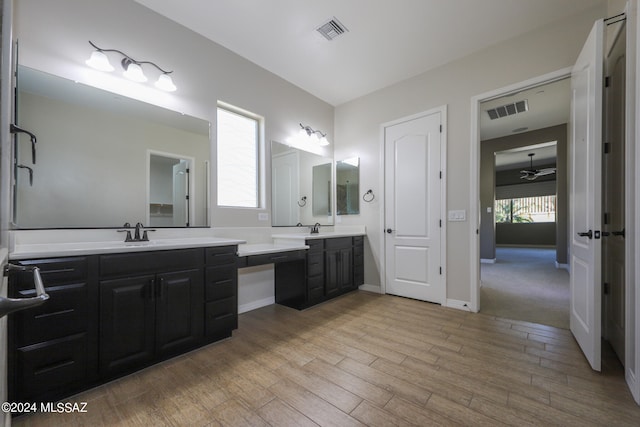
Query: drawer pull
[
  {"x": 55, "y": 313},
  {"x": 54, "y": 366}
]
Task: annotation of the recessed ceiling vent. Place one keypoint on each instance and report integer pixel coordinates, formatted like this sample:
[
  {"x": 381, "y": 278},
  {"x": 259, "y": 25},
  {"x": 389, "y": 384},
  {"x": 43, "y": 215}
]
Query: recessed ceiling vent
[
  {"x": 332, "y": 29},
  {"x": 508, "y": 109}
]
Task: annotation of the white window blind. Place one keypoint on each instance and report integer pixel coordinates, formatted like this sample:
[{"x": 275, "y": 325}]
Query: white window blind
[{"x": 237, "y": 159}]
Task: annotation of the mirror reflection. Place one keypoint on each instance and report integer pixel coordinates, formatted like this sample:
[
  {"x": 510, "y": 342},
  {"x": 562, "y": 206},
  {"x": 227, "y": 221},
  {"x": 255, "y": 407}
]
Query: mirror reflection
[
  {"x": 99, "y": 156},
  {"x": 300, "y": 187},
  {"x": 348, "y": 186}
]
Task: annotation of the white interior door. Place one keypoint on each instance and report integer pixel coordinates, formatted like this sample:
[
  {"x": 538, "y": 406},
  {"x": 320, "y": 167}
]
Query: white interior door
[
  {"x": 413, "y": 209},
  {"x": 586, "y": 196},
  {"x": 181, "y": 193}
]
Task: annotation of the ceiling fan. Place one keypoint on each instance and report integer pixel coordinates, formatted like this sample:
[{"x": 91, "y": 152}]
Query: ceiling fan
[{"x": 532, "y": 174}]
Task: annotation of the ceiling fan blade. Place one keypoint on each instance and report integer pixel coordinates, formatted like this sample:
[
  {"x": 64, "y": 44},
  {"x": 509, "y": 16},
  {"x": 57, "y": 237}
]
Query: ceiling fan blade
[{"x": 546, "y": 171}]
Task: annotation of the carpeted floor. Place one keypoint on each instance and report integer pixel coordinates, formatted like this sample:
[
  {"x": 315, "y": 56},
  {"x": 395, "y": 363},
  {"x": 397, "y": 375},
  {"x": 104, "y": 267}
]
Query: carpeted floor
[{"x": 524, "y": 284}]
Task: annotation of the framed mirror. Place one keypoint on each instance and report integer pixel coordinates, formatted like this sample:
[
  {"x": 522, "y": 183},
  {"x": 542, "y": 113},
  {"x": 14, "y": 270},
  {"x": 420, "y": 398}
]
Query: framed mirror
[
  {"x": 301, "y": 187},
  {"x": 348, "y": 186},
  {"x": 94, "y": 163}
]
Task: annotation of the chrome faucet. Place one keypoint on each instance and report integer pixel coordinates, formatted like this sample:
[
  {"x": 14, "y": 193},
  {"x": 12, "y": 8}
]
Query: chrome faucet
[{"x": 315, "y": 229}]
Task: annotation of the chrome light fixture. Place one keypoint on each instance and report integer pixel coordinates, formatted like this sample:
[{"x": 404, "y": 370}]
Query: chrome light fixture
[
  {"x": 316, "y": 136},
  {"x": 132, "y": 68}
]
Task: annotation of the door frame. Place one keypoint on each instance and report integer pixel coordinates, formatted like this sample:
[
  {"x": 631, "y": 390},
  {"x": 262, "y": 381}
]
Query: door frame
[{"x": 443, "y": 194}]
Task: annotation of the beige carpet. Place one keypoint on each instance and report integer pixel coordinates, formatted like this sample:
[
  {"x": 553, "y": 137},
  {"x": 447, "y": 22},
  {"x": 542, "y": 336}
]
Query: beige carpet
[{"x": 524, "y": 284}]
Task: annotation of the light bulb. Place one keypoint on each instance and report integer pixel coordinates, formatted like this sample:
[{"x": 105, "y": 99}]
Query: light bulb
[
  {"x": 99, "y": 61},
  {"x": 133, "y": 71},
  {"x": 165, "y": 83}
]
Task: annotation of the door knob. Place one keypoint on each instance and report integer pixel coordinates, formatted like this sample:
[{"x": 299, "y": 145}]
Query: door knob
[
  {"x": 388, "y": 230},
  {"x": 588, "y": 234}
]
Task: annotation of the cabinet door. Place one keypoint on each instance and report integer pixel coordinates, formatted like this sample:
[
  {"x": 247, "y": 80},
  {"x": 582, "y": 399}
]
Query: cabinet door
[
  {"x": 332, "y": 271},
  {"x": 179, "y": 310},
  {"x": 345, "y": 270},
  {"x": 127, "y": 319}
]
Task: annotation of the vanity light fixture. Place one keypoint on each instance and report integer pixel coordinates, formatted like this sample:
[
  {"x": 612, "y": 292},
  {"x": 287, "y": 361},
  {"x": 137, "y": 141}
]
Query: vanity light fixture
[
  {"x": 132, "y": 68},
  {"x": 314, "y": 135}
]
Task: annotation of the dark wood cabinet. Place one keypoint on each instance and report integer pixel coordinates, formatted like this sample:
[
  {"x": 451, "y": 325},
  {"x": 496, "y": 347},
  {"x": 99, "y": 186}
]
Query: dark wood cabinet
[
  {"x": 53, "y": 347},
  {"x": 339, "y": 266},
  {"x": 109, "y": 315}
]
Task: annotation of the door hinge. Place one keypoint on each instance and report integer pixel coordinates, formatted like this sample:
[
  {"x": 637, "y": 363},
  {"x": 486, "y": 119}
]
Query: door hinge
[
  {"x": 440, "y": 128},
  {"x": 188, "y": 170},
  {"x": 607, "y": 81},
  {"x": 440, "y": 222},
  {"x": 186, "y": 197},
  {"x": 606, "y": 147},
  {"x": 440, "y": 174},
  {"x": 605, "y": 288},
  {"x": 441, "y": 271}
]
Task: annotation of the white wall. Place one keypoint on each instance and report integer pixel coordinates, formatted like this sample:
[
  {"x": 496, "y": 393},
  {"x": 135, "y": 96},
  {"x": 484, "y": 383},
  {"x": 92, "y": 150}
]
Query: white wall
[
  {"x": 53, "y": 37},
  {"x": 357, "y": 127}
]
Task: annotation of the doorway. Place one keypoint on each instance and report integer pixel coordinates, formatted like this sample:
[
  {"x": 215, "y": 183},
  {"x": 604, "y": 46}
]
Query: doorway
[
  {"x": 523, "y": 199},
  {"x": 169, "y": 187}
]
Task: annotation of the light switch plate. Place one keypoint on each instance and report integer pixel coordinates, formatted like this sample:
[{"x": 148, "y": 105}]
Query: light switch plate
[
  {"x": 457, "y": 216},
  {"x": 263, "y": 216}
]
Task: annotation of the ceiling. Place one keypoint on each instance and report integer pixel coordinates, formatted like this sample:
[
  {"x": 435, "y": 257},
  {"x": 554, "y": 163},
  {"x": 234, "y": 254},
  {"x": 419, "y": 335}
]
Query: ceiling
[
  {"x": 518, "y": 158},
  {"x": 387, "y": 41}
]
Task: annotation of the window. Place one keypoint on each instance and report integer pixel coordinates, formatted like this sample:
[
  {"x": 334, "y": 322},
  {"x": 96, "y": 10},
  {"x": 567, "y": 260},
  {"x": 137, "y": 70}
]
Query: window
[
  {"x": 526, "y": 209},
  {"x": 238, "y": 154}
]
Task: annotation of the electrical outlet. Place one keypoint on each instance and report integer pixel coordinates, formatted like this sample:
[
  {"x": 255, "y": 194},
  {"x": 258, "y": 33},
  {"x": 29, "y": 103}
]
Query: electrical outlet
[{"x": 263, "y": 216}]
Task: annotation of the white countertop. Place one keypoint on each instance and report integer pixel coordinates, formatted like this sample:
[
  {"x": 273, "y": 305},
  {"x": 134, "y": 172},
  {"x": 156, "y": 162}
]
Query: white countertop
[
  {"x": 268, "y": 248},
  {"x": 41, "y": 250},
  {"x": 321, "y": 235}
]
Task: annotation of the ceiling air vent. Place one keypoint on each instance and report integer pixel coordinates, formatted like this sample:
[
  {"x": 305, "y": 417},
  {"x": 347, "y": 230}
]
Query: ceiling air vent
[
  {"x": 332, "y": 29},
  {"x": 508, "y": 109}
]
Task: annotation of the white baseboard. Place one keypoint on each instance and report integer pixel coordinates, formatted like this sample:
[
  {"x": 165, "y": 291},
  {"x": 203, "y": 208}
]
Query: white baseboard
[
  {"x": 487, "y": 260},
  {"x": 457, "y": 304},
  {"x": 562, "y": 266},
  {"x": 371, "y": 288},
  {"x": 256, "y": 304}
]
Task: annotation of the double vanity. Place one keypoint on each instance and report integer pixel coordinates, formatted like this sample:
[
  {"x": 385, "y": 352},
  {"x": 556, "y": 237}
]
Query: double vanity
[{"x": 116, "y": 307}]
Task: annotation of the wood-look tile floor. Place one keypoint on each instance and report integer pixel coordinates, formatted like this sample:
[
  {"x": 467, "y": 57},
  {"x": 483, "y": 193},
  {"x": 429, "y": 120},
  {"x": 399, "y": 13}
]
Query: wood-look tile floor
[{"x": 367, "y": 359}]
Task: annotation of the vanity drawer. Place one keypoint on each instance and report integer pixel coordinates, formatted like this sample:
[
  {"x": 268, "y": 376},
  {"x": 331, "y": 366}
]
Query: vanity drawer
[
  {"x": 339, "y": 243},
  {"x": 274, "y": 258},
  {"x": 358, "y": 240},
  {"x": 221, "y": 282},
  {"x": 140, "y": 263},
  {"x": 220, "y": 255},
  {"x": 221, "y": 316},
  {"x": 64, "y": 313},
  {"x": 315, "y": 288},
  {"x": 315, "y": 245},
  {"x": 49, "y": 367},
  {"x": 53, "y": 271},
  {"x": 315, "y": 264}
]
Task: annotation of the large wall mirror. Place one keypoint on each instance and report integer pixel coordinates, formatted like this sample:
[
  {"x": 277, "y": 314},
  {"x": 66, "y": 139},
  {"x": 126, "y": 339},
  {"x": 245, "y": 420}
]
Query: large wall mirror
[
  {"x": 103, "y": 159},
  {"x": 300, "y": 187},
  {"x": 348, "y": 186}
]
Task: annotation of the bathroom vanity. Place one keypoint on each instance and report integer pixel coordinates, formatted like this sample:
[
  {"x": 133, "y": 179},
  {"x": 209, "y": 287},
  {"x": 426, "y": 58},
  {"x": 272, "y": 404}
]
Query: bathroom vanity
[
  {"x": 115, "y": 308},
  {"x": 110, "y": 314}
]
